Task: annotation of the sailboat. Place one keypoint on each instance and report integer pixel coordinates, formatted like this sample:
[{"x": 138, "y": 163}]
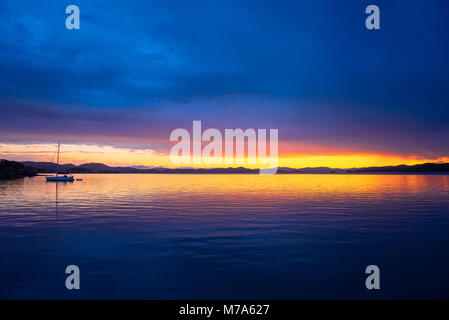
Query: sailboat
[{"x": 57, "y": 177}]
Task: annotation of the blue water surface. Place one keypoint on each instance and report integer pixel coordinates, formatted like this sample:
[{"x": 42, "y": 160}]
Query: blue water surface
[{"x": 225, "y": 236}]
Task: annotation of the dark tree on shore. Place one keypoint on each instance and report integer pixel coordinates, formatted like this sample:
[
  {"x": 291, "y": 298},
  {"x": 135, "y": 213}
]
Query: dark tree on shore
[{"x": 14, "y": 170}]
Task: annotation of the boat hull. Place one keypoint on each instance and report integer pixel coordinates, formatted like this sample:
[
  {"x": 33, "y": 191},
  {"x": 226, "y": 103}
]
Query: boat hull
[{"x": 64, "y": 179}]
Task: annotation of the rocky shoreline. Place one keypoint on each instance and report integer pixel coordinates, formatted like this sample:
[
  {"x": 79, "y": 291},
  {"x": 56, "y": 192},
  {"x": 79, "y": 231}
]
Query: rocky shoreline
[{"x": 15, "y": 170}]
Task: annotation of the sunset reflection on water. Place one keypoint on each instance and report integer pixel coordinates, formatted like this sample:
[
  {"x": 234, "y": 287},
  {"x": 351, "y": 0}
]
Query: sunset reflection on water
[{"x": 222, "y": 236}]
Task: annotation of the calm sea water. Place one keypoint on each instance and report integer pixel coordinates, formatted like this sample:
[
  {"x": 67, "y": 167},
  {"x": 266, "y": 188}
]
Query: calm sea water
[{"x": 225, "y": 236}]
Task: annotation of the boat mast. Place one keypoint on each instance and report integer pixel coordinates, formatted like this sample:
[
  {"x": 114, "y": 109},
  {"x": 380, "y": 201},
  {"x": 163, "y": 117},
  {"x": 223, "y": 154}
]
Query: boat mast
[{"x": 57, "y": 161}]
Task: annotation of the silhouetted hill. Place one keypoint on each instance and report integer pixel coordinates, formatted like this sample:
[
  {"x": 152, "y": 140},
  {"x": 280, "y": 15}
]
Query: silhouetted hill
[
  {"x": 102, "y": 168},
  {"x": 93, "y": 168},
  {"x": 142, "y": 167},
  {"x": 316, "y": 170},
  {"x": 48, "y": 167},
  {"x": 14, "y": 170},
  {"x": 419, "y": 168}
]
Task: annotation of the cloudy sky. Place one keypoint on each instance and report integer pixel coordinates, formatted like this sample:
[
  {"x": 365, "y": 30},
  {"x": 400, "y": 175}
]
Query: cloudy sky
[{"x": 111, "y": 92}]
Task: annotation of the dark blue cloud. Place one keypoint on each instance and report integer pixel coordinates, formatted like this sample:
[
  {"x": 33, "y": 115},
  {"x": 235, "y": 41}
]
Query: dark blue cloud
[{"x": 309, "y": 68}]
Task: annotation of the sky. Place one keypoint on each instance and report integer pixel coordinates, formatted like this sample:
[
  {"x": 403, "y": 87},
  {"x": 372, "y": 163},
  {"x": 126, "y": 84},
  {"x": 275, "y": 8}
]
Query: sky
[{"x": 112, "y": 91}]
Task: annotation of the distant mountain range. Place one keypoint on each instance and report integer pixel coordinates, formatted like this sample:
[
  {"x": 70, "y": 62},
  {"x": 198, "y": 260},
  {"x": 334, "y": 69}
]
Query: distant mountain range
[
  {"x": 49, "y": 167},
  {"x": 423, "y": 168}
]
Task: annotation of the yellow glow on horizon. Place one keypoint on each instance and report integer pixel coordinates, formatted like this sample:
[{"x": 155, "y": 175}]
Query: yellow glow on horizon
[
  {"x": 353, "y": 160},
  {"x": 117, "y": 156}
]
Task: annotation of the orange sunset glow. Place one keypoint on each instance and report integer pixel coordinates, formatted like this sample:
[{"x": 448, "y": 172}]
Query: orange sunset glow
[{"x": 118, "y": 156}]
